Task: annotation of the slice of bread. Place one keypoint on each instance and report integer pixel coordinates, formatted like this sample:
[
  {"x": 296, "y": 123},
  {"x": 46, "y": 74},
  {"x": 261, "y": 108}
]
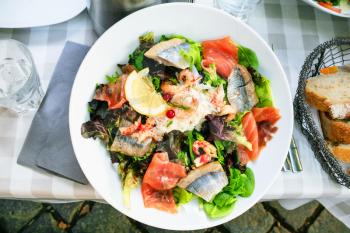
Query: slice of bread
[
  {"x": 335, "y": 130},
  {"x": 330, "y": 93},
  {"x": 340, "y": 151}
]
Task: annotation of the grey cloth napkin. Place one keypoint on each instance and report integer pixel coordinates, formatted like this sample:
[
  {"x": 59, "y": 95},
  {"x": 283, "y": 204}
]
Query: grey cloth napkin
[{"x": 48, "y": 143}]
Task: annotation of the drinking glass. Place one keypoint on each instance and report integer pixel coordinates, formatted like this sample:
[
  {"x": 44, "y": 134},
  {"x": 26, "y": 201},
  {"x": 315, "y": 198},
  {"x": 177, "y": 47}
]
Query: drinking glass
[
  {"x": 239, "y": 8},
  {"x": 20, "y": 88}
]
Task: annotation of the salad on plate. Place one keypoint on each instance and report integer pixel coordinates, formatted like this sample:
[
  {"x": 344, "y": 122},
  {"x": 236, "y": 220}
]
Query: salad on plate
[{"x": 183, "y": 119}]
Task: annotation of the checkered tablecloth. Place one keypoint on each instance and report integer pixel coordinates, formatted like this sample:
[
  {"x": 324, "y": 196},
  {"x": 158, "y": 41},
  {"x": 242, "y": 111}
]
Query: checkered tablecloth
[{"x": 291, "y": 27}]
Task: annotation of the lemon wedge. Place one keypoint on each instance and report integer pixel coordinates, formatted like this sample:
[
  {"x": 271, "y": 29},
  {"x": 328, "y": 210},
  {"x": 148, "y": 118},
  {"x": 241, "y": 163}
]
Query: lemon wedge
[{"x": 142, "y": 96}]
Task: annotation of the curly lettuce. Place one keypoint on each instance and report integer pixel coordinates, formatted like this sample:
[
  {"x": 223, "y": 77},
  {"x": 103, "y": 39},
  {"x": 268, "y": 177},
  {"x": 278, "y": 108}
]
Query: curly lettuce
[
  {"x": 240, "y": 184},
  {"x": 247, "y": 57},
  {"x": 262, "y": 89},
  {"x": 212, "y": 78},
  {"x": 181, "y": 196}
]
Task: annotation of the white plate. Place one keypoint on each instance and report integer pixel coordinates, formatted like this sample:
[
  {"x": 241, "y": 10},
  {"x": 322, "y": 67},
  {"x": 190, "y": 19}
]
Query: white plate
[
  {"x": 199, "y": 23},
  {"x": 33, "y": 13},
  {"x": 318, "y": 6}
]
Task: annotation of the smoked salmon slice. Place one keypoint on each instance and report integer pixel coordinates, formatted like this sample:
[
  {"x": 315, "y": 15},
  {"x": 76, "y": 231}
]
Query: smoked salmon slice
[
  {"x": 161, "y": 200},
  {"x": 250, "y": 130},
  {"x": 162, "y": 174},
  {"x": 269, "y": 114},
  {"x": 221, "y": 52},
  {"x": 112, "y": 93}
]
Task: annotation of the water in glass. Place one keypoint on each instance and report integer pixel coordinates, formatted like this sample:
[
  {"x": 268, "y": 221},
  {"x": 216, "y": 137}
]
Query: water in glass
[
  {"x": 20, "y": 88},
  {"x": 239, "y": 8}
]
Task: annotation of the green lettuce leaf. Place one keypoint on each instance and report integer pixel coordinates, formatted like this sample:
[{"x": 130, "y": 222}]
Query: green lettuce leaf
[
  {"x": 240, "y": 184},
  {"x": 212, "y": 78},
  {"x": 182, "y": 156},
  {"x": 148, "y": 37},
  {"x": 130, "y": 182},
  {"x": 248, "y": 183},
  {"x": 189, "y": 142},
  {"x": 182, "y": 196},
  {"x": 247, "y": 57},
  {"x": 262, "y": 89},
  {"x": 193, "y": 56},
  {"x": 220, "y": 151},
  {"x": 238, "y": 133},
  {"x": 156, "y": 83},
  {"x": 136, "y": 58},
  {"x": 215, "y": 211}
]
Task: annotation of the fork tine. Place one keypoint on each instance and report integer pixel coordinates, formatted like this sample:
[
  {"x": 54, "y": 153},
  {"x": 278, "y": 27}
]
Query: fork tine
[
  {"x": 288, "y": 162},
  {"x": 286, "y": 165},
  {"x": 295, "y": 156}
]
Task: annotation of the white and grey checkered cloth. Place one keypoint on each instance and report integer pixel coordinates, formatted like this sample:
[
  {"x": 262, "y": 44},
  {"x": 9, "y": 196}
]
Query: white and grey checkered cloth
[{"x": 292, "y": 28}]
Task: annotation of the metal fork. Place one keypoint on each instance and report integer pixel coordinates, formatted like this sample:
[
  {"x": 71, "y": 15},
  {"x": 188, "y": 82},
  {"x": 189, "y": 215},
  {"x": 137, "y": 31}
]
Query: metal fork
[{"x": 292, "y": 162}]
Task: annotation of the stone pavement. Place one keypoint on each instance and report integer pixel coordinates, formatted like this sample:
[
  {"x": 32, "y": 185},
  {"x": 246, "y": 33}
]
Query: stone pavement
[{"x": 85, "y": 217}]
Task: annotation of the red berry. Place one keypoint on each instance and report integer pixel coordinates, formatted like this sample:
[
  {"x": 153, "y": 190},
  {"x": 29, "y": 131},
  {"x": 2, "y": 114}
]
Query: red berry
[
  {"x": 170, "y": 113},
  {"x": 167, "y": 97}
]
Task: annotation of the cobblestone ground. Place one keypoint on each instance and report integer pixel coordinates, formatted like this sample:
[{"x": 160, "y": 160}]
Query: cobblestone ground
[{"x": 25, "y": 216}]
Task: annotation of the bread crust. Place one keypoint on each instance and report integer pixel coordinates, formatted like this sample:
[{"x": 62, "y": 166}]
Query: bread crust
[
  {"x": 335, "y": 130},
  {"x": 330, "y": 93},
  {"x": 319, "y": 102},
  {"x": 341, "y": 152}
]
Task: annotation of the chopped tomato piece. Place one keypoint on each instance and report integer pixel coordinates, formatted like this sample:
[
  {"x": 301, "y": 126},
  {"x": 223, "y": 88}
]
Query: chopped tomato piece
[
  {"x": 162, "y": 200},
  {"x": 269, "y": 114},
  {"x": 112, "y": 93},
  {"x": 223, "y": 53},
  {"x": 329, "y": 70},
  {"x": 251, "y": 132},
  {"x": 162, "y": 174}
]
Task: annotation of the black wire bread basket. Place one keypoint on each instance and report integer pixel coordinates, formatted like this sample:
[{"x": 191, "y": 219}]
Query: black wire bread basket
[{"x": 330, "y": 53}]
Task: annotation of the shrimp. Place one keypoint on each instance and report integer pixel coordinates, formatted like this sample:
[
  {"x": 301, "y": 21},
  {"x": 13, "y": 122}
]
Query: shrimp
[
  {"x": 217, "y": 98},
  {"x": 187, "y": 77},
  {"x": 128, "y": 130},
  {"x": 169, "y": 88},
  {"x": 142, "y": 131},
  {"x": 205, "y": 151},
  {"x": 201, "y": 147},
  {"x": 185, "y": 104},
  {"x": 229, "y": 111}
]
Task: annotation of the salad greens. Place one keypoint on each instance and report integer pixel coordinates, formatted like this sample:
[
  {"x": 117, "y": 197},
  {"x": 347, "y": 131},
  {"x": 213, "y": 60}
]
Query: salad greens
[
  {"x": 262, "y": 89},
  {"x": 130, "y": 182},
  {"x": 137, "y": 57},
  {"x": 183, "y": 157},
  {"x": 182, "y": 196},
  {"x": 156, "y": 83},
  {"x": 212, "y": 78},
  {"x": 220, "y": 148},
  {"x": 190, "y": 141},
  {"x": 240, "y": 184},
  {"x": 247, "y": 57},
  {"x": 112, "y": 78}
]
